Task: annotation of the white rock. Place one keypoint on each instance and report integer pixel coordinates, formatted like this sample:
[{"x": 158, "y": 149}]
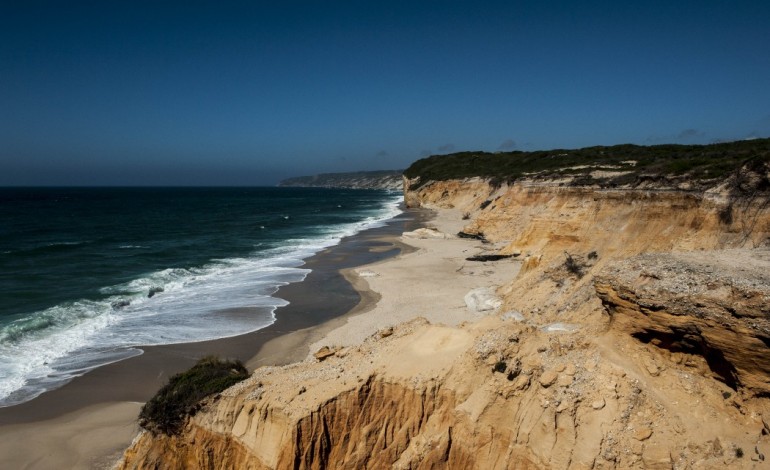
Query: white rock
[
  {"x": 560, "y": 327},
  {"x": 482, "y": 299},
  {"x": 425, "y": 233},
  {"x": 513, "y": 315},
  {"x": 368, "y": 274}
]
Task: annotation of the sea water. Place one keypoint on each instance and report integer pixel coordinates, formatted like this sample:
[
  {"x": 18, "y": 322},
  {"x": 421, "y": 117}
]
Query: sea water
[{"x": 89, "y": 275}]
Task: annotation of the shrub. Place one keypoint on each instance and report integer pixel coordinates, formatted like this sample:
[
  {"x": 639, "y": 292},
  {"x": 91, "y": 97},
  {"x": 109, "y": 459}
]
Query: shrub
[
  {"x": 573, "y": 266},
  {"x": 726, "y": 214},
  {"x": 167, "y": 410}
]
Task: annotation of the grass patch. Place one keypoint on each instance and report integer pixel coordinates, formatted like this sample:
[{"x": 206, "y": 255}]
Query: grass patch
[{"x": 167, "y": 410}]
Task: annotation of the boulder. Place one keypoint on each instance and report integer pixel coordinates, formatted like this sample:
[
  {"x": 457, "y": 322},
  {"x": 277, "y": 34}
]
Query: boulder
[
  {"x": 324, "y": 353},
  {"x": 426, "y": 233},
  {"x": 482, "y": 299},
  {"x": 513, "y": 315}
]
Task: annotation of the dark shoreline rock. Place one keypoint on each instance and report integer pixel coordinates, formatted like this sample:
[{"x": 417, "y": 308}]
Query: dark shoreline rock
[
  {"x": 472, "y": 236},
  {"x": 485, "y": 258},
  {"x": 153, "y": 291}
]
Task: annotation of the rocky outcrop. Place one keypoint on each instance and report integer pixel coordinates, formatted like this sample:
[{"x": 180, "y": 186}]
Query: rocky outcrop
[
  {"x": 498, "y": 394},
  {"x": 709, "y": 311},
  {"x": 390, "y": 180}
]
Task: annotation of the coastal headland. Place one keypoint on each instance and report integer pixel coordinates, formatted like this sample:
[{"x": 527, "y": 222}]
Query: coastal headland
[
  {"x": 596, "y": 315},
  {"x": 547, "y": 321}
]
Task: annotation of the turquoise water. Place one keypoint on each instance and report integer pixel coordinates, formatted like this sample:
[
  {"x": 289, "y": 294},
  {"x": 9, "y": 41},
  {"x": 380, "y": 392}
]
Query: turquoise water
[{"x": 86, "y": 275}]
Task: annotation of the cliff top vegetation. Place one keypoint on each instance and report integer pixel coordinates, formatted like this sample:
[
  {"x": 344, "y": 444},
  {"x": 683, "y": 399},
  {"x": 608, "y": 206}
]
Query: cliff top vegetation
[
  {"x": 630, "y": 164},
  {"x": 167, "y": 410}
]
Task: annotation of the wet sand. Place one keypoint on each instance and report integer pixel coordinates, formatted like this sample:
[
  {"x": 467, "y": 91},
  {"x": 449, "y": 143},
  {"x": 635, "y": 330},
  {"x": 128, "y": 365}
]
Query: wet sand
[{"x": 89, "y": 421}]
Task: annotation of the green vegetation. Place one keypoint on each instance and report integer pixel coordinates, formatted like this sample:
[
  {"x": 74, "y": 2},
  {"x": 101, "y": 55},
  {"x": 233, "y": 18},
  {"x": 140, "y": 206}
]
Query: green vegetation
[
  {"x": 696, "y": 162},
  {"x": 574, "y": 266},
  {"x": 167, "y": 410}
]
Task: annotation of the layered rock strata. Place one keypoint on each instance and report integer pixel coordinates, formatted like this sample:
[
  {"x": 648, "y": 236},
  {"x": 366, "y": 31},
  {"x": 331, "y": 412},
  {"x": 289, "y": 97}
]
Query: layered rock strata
[{"x": 707, "y": 310}]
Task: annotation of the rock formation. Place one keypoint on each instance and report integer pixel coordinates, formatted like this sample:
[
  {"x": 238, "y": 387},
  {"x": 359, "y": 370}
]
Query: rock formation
[
  {"x": 709, "y": 311},
  {"x": 635, "y": 335}
]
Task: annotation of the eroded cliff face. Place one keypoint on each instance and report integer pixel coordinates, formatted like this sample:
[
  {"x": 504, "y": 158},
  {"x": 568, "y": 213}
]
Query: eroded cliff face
[
  {"x": 602, "y": 355},
  {"x": 544, "y": 223},
  {"x": 495, "y": 394},
  {"x": 372, "y": 406},
  {"x": 708, "y": 311}
]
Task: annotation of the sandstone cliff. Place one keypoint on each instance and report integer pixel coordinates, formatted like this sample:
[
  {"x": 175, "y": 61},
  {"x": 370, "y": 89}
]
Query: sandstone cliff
[{"x": 635, "y": 335}]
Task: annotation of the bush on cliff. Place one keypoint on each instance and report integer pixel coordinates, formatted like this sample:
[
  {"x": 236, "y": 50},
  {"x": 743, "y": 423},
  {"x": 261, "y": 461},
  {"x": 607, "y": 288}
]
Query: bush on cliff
[{"x": 167, "y": 410}]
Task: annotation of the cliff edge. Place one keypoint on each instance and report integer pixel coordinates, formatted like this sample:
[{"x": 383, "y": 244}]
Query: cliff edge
[{"x": 624, "y": 326}]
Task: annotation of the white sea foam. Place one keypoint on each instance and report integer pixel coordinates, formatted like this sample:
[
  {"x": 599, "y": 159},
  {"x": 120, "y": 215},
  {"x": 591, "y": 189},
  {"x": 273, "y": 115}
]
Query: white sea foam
[{"x": 45, "y": 350}]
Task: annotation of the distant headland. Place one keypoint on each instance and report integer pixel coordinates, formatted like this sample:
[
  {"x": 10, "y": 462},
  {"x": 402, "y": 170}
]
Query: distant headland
[{"x": 384, "y": 179}]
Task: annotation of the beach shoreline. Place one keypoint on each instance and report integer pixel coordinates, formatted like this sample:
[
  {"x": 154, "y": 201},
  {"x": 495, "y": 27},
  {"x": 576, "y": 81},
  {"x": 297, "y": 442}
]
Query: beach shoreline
[{"x": 88, "y": 422}]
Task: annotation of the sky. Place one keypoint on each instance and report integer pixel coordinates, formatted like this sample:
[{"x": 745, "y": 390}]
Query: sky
[{"x": 248, "y": 93}]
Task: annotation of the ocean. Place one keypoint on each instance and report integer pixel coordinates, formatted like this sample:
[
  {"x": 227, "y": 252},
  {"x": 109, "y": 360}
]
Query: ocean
[{"x": 87, "y": 275}]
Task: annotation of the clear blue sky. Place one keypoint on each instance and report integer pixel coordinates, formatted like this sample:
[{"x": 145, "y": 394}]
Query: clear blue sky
[{"x": 243, "y": 93}]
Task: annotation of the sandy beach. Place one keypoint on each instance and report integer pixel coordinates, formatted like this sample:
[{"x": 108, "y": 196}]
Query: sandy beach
[
  {"x": 88, "y": 422},
  {"x": 430, "y": 281},
  {"x": 367, "y": 283}
]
